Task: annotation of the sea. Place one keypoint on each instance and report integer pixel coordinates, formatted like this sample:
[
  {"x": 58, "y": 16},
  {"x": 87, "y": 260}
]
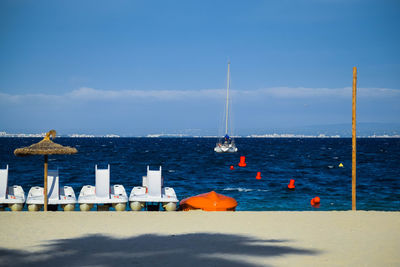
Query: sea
[{"x": 191, "y": 167}]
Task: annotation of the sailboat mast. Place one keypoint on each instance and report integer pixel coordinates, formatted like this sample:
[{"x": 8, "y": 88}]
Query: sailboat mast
[{"x": 227, "y": 101}]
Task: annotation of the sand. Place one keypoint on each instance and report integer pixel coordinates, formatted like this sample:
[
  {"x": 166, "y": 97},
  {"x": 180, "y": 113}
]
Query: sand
[{"x": 197, "y": 238}]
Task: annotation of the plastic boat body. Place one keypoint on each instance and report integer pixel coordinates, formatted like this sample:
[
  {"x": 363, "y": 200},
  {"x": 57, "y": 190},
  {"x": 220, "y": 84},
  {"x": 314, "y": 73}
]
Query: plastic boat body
[
  {"x": 152, "y": 193},
  {"x": 209, "y": 202},
  {"x": 226, "y": 147},
  {"x": 88, "y": 195},
  {"x": 11, "y": 196},
  {"x": 64, "y": 196},
  {"x": 102, "y": 193}
]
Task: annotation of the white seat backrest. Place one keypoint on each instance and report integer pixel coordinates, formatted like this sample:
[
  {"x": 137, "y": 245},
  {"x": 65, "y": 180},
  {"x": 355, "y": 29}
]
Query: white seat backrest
[
  {"x": 3, "y": 182},
  {"x": 154, "y": 182},
  {"x": 103, "y": 182},
  {"x": 53, "y": 189},
  {"x": 144, "y": 181}
]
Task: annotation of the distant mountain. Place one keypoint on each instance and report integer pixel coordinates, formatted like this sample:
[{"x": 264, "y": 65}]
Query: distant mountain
[{"x": 342, "y": 130}]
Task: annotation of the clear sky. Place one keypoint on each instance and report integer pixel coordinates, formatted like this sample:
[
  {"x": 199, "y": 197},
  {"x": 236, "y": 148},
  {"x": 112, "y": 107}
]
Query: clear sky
[{"x": 143, "y": 67}]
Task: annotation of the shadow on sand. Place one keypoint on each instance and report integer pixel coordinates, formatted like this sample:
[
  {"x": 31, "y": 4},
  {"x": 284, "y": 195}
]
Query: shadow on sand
[{"x": 199, "y": 249}]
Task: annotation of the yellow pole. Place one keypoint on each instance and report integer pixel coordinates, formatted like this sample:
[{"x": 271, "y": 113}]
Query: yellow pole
[
  {"x": 45, "y": 182},
  {"x": 353, "y": 167}
]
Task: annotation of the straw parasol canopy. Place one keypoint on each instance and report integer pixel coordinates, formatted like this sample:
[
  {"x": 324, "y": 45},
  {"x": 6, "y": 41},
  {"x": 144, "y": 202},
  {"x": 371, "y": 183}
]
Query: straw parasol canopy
[{"x": 45, "y": 147}]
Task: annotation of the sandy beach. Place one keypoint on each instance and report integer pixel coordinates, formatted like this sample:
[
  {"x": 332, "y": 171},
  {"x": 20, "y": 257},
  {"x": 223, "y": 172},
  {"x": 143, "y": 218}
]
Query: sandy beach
[{"x": 195, "y": 238}]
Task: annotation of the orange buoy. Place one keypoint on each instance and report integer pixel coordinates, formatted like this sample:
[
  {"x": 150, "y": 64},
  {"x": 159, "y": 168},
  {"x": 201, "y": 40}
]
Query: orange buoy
[
  {"x": 258, "y": 176},
  {"x": 232, "y": 168},
  {"x": 242, "y": 162},
  {"x": 315, "y": 202},
  {"x": 208, "y": 202},
  {"x": 291, "y": 184}
]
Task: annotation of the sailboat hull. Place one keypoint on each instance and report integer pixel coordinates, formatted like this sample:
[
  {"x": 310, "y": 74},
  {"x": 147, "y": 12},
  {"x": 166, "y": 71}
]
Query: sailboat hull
[{"x": 225, "y": 149}]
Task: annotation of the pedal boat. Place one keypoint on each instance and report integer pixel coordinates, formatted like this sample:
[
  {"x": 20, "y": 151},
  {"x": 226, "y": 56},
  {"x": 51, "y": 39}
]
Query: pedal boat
[
  {"x": 151, "y": 194},
  {"x": 10, "y": 196},
  {"x": 64, "y": 195},
  {"x": 102, "y": 194},
  {"x": 211, "y": 201}
]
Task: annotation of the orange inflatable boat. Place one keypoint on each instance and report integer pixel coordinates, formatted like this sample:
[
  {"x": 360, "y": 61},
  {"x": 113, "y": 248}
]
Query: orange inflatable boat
[{"x": 209, "y": 202}]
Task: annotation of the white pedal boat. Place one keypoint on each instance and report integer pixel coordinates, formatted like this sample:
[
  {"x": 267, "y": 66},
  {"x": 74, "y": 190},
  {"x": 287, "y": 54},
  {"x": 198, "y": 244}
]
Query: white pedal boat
[
  {"x": 11, "y": 196},
  {"x": 64, "y": 196},
  {"x": 152, "y": 193},
  {"x": 102, "y": 194}
]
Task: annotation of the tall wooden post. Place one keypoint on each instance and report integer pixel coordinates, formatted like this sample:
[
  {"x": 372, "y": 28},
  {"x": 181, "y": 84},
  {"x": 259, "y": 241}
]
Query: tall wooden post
[
  {"x": 45, "y": 182},
  {"x": 353, "y": 167}
]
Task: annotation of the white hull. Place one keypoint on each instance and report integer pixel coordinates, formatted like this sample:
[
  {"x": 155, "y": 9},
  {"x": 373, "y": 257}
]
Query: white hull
[
  {"x": 64, "y": 195},
  {"x": 36, "y": 196},
  {"x": 152, "y": 191},
  {"x": 102, "y": 193},
  {"x": 221, "y": 148},
  {"x": 15, "y": 195},
  {"x": 88, "y": 195},
  {"x": 139, "y": 194}
]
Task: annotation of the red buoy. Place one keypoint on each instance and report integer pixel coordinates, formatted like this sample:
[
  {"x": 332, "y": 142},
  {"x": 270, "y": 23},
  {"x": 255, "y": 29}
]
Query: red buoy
[
  {"x": 258, "y": 177},
  {"x": 232, "y": 167},
  {"x": 291, "y": 184},
  {"x": 315, "y": 202},
  {"x": 242, "y": 162}
]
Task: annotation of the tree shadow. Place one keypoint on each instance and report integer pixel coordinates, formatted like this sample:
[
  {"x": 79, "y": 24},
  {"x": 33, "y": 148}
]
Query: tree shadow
[{"x": 198, "y": 249}]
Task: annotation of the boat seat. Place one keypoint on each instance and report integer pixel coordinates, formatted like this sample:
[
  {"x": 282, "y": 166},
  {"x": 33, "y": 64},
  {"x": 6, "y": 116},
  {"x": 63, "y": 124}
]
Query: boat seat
[
  {"x": 53, "y": 189},
  {"x": 103, "y": 182},
  {"x": 154, "y": 182},
  {"x": 3, "y": 182}
]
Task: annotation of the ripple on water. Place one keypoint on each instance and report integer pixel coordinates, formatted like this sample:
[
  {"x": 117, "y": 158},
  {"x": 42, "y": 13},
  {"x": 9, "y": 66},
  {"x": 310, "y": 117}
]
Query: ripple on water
[{"x": 311, "y": 162}]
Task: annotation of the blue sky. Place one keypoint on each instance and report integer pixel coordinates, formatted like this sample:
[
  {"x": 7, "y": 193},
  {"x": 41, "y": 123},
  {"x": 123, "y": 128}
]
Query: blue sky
[{"x": 143, "y": 67}]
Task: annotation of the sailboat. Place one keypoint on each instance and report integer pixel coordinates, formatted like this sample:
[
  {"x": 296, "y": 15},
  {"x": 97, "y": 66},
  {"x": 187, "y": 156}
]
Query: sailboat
[{"x": 226, "y": 144}]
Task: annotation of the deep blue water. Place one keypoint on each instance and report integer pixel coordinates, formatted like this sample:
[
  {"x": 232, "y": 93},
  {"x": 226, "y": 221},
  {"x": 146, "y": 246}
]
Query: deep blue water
[{"x": 191, "y": 167}]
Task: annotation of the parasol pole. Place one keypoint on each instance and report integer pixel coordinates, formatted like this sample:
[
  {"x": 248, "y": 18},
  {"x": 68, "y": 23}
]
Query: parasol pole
[
  {"x": 45, "y": 182},
  {"x": 354, "y": 150}
]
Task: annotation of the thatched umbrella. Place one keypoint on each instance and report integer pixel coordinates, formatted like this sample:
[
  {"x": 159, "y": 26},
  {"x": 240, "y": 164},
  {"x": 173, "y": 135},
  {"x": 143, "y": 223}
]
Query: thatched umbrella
[{"x": 45, "y": 147}]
